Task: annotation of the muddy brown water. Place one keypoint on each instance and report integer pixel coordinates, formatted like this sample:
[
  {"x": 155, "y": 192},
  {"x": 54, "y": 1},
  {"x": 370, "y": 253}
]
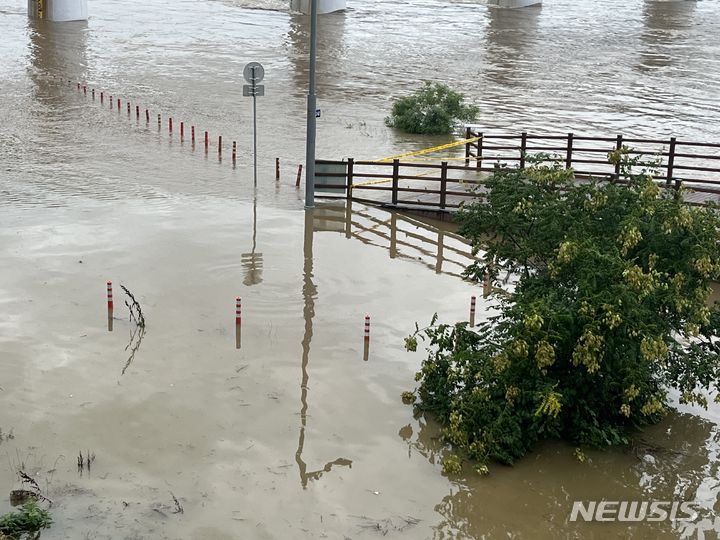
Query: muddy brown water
[{"x": 293, "y": 435}]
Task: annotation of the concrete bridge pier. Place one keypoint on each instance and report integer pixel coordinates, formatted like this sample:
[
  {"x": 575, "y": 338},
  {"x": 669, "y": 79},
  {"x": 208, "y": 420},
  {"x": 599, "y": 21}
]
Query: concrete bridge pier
[
  {"x": 58, "y": 10},
  {"x": 324, "y": 6}
]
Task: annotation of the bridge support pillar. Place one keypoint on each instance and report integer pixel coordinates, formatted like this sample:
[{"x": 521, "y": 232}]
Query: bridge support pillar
[
  {"x": 324, "y": 6},
  {"x": 58, "y": 10}
]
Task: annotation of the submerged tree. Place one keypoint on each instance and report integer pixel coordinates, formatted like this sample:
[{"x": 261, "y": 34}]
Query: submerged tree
[
  {"x": 434, "y": 109},
  {"x": 29, "y": 520},
  {"x": 610, "y": 312}
]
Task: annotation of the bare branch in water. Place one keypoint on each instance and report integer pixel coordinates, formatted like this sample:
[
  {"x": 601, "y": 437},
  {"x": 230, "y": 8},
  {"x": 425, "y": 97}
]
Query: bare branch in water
[
  {"x": 138, "y": 333},
  {"x": 178, "y": 507},
  {"x": 136, "y": 313},
  {"x": 134, "y": 346}
]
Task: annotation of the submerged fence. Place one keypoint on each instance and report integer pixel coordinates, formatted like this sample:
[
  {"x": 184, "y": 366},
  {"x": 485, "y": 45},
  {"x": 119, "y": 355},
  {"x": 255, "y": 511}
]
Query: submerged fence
[
  {"x": 403, "y": 237},
  {"x": 444, "y": 186}
]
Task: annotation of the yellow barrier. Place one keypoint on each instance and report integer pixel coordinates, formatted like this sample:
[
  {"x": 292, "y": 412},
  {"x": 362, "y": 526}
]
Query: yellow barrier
[
  {"x": 419, "y": 153},
  {"x": 428, "y": 150},
  {"x": 471, "y": 158},
  {"x": 372, "y": 182}
]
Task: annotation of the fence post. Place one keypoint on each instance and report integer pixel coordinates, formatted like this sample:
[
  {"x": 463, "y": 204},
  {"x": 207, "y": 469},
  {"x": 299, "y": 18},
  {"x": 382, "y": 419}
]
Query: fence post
[
  {"x": 468, "y": 135},
  {"x": 395, "y": 179},
  {"x": 523, "y": 148},
  {"x": 618, "y": 146},
  {"x": 568, "y": 157},
  {"x": 349, "y": 189},
  {"x": 478, "y": 161},
  {"x": 671, "y": 160},
  {"x": 443, "y": 184}
]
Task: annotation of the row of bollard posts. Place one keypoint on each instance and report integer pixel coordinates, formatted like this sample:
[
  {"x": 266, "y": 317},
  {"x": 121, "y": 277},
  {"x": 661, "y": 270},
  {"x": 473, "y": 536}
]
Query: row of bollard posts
[
  {"x": 238, "y": 318},
  {"x": 116, "y": 101}
]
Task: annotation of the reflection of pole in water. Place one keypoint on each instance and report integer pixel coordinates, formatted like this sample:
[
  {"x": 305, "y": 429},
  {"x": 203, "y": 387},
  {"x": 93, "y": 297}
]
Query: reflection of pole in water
[
  {"x": 252, "y": 262},
  {"x": 440, "y": 247},
  {"x": 348, "y": 219},
  {"x": 309, "y": 293},
  {"x": 393, "y": 235}
]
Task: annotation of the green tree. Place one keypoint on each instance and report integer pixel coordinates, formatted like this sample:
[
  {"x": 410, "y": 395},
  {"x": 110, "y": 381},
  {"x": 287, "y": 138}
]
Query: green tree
[
  {"x": 609, "y": 312},
  {"x": 434, "y": 109},
  {"x": 29, "y": 520}
]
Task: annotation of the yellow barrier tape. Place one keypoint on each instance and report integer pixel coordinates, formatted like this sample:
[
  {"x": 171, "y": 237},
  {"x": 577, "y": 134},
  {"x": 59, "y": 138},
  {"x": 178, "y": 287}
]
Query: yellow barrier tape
[
  {"x": 471, "y": 158},
  {"x": 421, "y": 152},
  {"x": 372, "y": 182},
  {"x": 428, "y": 150}
]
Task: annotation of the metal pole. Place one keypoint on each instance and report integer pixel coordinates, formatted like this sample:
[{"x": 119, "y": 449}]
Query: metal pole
[{"x": 311, "y": 106}]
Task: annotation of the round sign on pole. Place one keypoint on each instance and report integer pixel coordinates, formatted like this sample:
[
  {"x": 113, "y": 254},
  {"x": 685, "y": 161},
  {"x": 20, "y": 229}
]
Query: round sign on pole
[{"x": 256, "y": 69}]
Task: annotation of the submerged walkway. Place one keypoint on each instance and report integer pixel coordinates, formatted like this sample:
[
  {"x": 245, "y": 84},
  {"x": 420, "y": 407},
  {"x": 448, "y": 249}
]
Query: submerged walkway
[{"x": 444, "y": 186}]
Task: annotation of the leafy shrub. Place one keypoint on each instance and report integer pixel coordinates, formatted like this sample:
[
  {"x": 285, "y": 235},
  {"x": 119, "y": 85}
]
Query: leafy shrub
[
  {"x": 610, "y": 311},
  {"x": 434, "y": 109},
  {"x": 30, "y": 519}
]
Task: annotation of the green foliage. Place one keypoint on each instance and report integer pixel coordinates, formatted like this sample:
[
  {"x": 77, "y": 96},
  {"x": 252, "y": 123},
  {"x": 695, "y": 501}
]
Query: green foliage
[
  {"x": 30, "y": 519},
  {"x": 432, "y": 110},
  {"x": 610, "y": 311}
]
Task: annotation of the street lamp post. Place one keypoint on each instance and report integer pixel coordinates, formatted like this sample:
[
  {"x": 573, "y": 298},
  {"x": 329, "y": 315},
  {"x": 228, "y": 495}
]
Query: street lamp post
[{"x": 311, "y": 107}]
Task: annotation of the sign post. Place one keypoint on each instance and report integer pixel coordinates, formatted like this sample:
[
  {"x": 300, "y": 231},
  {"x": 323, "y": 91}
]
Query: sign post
[
  {"x": 254, "y": 73},
  {"x": 311, "y": 112}
]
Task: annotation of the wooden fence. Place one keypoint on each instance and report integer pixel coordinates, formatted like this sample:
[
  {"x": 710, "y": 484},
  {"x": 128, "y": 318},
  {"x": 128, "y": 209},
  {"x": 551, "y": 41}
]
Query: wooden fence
[{"x": 444, "y": 186}]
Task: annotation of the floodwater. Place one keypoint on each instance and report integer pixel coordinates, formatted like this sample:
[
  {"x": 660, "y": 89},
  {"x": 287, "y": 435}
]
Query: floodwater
[{"x": 293, "y": 435}]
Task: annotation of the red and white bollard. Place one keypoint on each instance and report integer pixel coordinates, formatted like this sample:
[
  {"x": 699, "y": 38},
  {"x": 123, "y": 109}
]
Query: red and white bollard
[
  {"x": 102, "y": 98},
  {"x": 182, "y": 131},
  {"x": 472, "y": 311},
  {"x": 220, "y": 146},
  {"x": 119, "y": 102},
  {"x": 487, "y": 284},
  {"x": 170, "y": 126},
  {"x": 110, "y": 306},
  {"x": 111, "y": 102},
  {"x": 147, "y": 116},
  {"x": 234, "y": 153},
  {"x": 109, "y": 295},
  {"x": 129, "y": 109},
  {"x": 93, "y": 94},
  {"x": 238, "y": 322},
  {"x": 137, "y": 112},
  {"x": 159, "y": 122},
  {"x": 366, "y": 339},
  {"x": 192, "y": 135},
  {"x": 207, "y": 141}
]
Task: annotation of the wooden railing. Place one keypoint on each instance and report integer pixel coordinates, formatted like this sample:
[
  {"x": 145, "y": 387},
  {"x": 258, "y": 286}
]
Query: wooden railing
[
  {"x": 693, "y": 164},
  {"x": 445, "y": 185},
  {"x": 392, "y": 183}
]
